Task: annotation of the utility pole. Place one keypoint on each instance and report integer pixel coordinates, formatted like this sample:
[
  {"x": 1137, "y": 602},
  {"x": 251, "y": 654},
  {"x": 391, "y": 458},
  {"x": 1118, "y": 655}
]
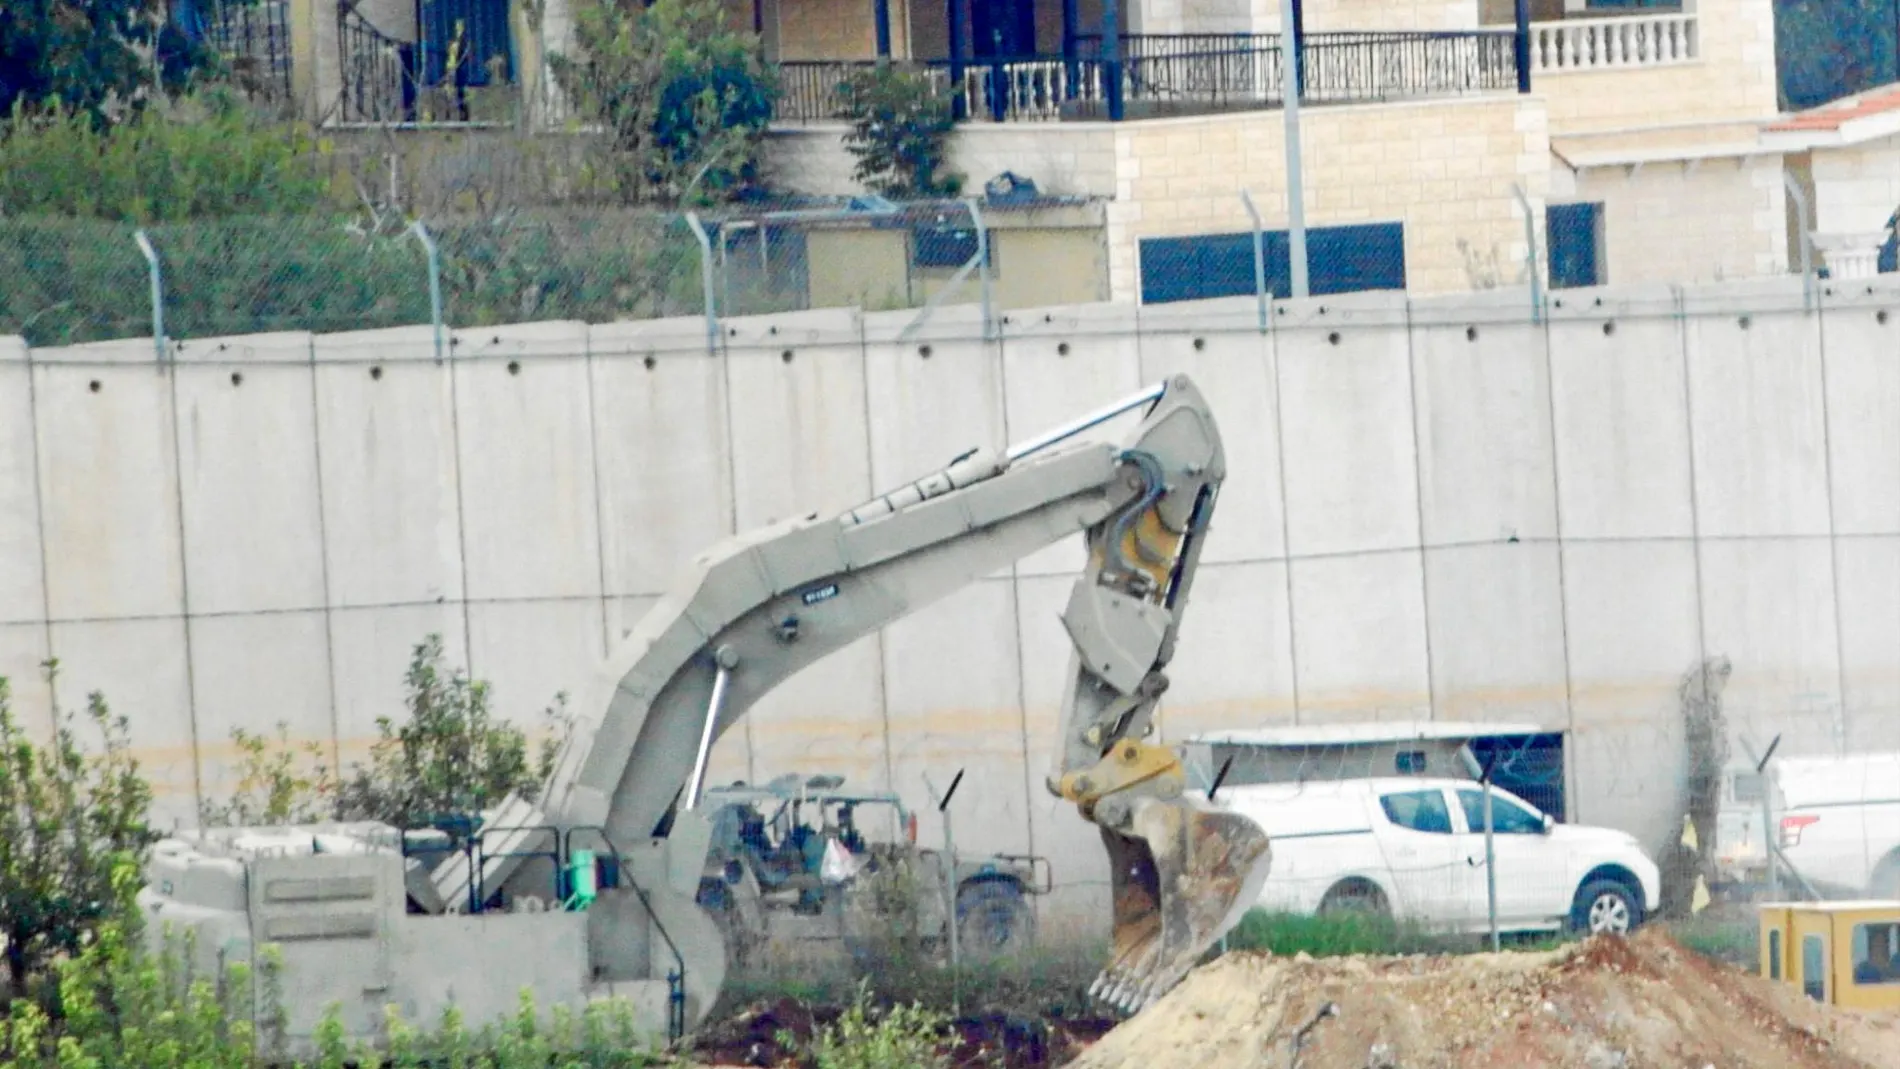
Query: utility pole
[{"x": 1290, "y": 95}]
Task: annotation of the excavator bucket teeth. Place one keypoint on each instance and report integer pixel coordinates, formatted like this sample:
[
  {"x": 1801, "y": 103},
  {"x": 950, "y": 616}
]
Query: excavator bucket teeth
[{"x": 1182, "y": 880}]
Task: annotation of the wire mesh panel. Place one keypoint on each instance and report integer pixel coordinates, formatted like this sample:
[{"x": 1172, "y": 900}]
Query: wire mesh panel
[{"x": 63, "y": 281}]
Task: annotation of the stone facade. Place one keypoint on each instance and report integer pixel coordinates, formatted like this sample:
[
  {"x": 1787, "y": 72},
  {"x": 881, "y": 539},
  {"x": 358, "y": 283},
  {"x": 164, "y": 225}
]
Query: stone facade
[
  {"x": 1722, "y": 219},
  {"x": 1446, "y": 169},
  {"x": 1856, "y": 187},
  {"x": 1731, "y": 77}
]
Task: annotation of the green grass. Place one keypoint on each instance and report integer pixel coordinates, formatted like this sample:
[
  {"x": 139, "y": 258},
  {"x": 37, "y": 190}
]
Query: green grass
[
  {"x": 1049, "y": 980},
  {"x": 1731, "y": 940}
]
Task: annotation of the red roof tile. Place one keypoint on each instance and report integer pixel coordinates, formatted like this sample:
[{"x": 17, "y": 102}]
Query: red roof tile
[{"x": 1833, "y": 115}]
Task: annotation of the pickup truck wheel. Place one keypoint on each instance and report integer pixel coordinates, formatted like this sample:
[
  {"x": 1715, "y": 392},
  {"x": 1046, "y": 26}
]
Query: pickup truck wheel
[
  {"x": 1353, "y": 898},
  {"x": 1605, "y": 907}
]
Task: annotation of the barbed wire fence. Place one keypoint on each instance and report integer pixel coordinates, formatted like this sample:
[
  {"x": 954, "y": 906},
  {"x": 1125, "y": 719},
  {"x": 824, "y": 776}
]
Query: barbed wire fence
[{"x": 78, "y": 281}]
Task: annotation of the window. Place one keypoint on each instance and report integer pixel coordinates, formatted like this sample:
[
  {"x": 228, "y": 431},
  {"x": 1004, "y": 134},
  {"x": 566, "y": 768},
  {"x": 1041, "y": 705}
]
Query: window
[
  {"x": 1410, "y": 762},
  {"x": 1814, "y": 968},
  {"x": 939, "y": 245},
  {"x": 1745, "y": 787},
  {"x": 1774, "y": 954},
  {"x": 1507, "y": 817},
  {"x": 1574, "y": 233},
  {"x": 1418, "y": 810},
  {"x": 1876, "y": 946}
]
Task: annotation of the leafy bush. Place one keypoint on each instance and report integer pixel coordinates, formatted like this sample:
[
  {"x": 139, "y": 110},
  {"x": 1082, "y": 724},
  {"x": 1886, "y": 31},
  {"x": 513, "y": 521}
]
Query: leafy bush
[
  {"x": 900, "y": 131},
  {"x": 450, "y": 759},
  {"x": 273, "y": 789},
  {"x": 902, "y": 1037},
  {"x": 686, "y": 97},
  {"x": 79, "y": 280},
  {"x": 122, "y": 1005},
  {"x": 68, "y": 822},
  {"x": 203, "y": 156},
  {"x": 94, "y": 54}
]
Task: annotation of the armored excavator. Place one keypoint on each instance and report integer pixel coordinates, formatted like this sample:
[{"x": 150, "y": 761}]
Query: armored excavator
[{"x": 589, "y": 892}]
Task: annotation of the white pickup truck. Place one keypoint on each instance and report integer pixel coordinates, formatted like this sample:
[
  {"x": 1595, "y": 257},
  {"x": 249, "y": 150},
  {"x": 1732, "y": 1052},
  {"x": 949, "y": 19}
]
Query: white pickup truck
[
  {"x": 1838, "y": 821},
  {"x": 1413, "y": 848}
]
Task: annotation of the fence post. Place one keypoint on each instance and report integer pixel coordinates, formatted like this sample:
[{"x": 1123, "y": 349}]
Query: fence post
[
  {"x": 1291, "y": 82},
  {"x": 1259, "y": 258},
  {"x": 158, "y": 295},
  {"x": 950, "y": 887},
  {"x": 1490, "y": 856},
  {"x": 983, "y": 263},
  {"x": 1807, "y": 239},
  {"x": 706, "y": 282},
  {"x": 435, "y": 283},
  {"x": 1530, "y": 253}
]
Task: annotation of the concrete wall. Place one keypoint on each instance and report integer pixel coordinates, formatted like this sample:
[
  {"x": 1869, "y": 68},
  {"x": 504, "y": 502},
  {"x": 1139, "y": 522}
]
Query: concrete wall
[{"x": 1434, "y": 508}]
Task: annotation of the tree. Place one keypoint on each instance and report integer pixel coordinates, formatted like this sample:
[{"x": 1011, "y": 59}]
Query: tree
[
  {"x": 1827, "y": 49},
  {"x": 89, "y": 54},
  {"x": 900, "y": 130},
  {"x": 68, "y": 820},
  {"x": 686, "y": 98}
]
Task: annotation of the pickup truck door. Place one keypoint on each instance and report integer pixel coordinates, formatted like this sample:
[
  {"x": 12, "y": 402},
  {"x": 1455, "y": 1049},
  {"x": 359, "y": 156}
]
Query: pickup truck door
[
  {"x": 1418, "y": 842},
  {"x": 1534, "y": 875}
]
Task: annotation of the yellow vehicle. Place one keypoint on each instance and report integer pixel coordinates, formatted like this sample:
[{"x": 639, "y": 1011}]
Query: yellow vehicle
[{"x": 1844, "y": 954}]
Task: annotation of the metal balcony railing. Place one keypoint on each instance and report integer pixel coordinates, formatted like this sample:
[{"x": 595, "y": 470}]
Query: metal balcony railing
[{"x": 1188, "y": 73}]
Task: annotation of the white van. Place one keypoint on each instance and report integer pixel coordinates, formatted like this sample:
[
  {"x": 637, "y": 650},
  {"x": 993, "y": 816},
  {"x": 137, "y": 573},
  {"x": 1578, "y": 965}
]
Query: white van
[{"x": 1413, "y": 848}]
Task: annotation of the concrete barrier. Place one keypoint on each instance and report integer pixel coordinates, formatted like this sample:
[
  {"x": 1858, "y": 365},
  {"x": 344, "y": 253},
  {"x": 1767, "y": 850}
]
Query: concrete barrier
[{"x": 1435, "y": 507}]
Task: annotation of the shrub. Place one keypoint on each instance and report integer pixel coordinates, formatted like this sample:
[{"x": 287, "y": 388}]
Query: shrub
[
  {"x": 273, "y": 789},
  {"x": 451, "y": 758},
  {"x": 201, "y": 156},
  {"x": 686, "y": 98},
  {"x": 68, "y": 823},
  {"x": 95, "y": 54},
  {"x": 903, "y": 1037},
  {"x": 900, "y": 130},
  {"x": 122, "y": 1002}
]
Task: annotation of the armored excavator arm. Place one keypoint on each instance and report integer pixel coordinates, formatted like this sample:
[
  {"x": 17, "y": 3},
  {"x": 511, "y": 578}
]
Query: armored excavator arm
[{"x": 761, "y": 607}]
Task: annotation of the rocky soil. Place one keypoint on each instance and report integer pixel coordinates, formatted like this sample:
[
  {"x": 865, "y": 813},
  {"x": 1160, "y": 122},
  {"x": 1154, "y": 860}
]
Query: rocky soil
[{"x": 1603, "y": 1004}]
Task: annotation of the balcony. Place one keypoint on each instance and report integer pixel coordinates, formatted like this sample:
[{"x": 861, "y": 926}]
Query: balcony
[
  {"x": 1187, "y": 74},
  {"x": 1615, "y": 43}
]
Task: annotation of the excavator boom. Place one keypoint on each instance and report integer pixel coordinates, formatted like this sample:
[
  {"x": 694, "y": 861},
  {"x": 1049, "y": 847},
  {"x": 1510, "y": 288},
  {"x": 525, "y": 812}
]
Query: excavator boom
[{"x": 758, "y": 608}]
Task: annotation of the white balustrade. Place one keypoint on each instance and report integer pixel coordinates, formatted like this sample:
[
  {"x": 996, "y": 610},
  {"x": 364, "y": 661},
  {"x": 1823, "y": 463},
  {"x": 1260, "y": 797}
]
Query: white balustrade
[
  {"x": 1607, "y": 44},
  {"x": 1032, "y": 90}
]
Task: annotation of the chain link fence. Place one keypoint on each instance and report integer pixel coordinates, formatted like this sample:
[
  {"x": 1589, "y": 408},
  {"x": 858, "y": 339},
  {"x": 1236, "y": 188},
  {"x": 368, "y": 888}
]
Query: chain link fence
[
  {"x": 71, "y": 282},
  {"x": 76, "y": 281}
]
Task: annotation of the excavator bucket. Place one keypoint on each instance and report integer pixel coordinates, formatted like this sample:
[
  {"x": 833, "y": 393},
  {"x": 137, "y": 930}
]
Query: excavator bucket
[{"x": 1186, "y": 876}]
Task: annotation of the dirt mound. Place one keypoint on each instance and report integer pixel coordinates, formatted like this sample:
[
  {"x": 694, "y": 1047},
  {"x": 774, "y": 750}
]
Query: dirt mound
[{"x": 1601, "y": 1004}]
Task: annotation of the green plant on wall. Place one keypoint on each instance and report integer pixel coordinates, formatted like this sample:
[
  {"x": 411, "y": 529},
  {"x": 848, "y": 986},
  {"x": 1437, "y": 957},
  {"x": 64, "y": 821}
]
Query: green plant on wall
[{"x": 900, "y": 132}]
